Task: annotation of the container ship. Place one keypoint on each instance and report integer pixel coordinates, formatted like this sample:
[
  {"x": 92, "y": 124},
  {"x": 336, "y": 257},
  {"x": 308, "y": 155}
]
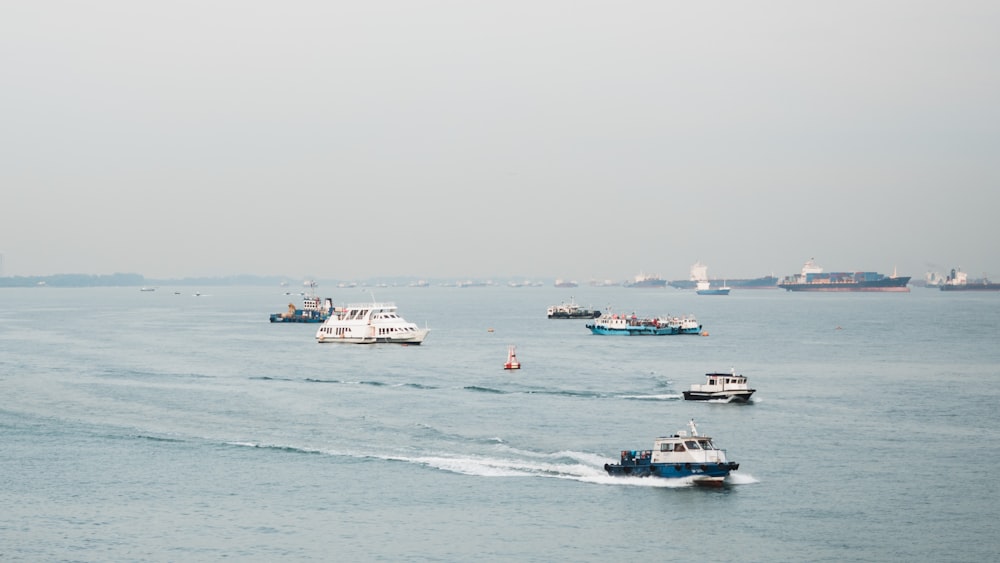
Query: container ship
[
  {"x": 959, "y": 281},
  {"x": 812, "y": 278}
]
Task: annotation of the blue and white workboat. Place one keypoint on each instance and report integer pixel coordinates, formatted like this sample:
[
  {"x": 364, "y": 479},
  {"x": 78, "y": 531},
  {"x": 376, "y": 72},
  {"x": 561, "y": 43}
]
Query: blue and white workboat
[
  {"x": 678, "y": 456},
  {"x": 631, "y": 325}
]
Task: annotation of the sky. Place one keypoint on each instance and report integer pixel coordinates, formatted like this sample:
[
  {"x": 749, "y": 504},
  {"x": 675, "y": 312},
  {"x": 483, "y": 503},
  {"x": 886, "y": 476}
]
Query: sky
[{"x": 469, "y": 140}]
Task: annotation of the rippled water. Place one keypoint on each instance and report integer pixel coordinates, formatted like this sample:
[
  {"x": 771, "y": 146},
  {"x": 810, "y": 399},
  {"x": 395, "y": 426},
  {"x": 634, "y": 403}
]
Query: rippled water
[{"x": 159, "y": 426}]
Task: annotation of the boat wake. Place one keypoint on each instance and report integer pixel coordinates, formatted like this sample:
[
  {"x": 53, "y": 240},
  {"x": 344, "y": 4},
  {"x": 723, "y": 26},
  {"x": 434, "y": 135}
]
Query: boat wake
[
  {"x": 570, "y": 465},
  {"x": 657, "y": 397}
]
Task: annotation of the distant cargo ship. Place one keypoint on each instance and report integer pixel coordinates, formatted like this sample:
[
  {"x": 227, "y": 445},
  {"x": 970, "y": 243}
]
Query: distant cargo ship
[
  {"x": 643, "y": 280},
  {"x": 812, "y": 278},
  {"x": 959, "y": 281},
  {"x": 699, "y": 272}
]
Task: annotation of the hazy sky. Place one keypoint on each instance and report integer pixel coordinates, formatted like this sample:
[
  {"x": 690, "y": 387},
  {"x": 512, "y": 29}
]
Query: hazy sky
[{"x": 480, "y": 139}]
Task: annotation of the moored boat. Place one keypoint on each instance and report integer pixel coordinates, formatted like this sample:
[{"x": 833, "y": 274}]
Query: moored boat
[
  {"x": 812, "y": 278},
  {"x": 369, "y": 323},
  {"x": 571, "y": 311},
  {"x": 722, "y": 387},
  {"x": 677, "y": 456},
  {"x": 705, "y": 288},
  {"x": 959, "y": 281},
  {"x": 633, "y": 325}
]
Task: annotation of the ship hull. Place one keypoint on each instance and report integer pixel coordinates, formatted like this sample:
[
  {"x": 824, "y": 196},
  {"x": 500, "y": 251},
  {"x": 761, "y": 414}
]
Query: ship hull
[
  {"x": 972, "y": 287},
  {"x": 767, "y": 282},
  {"x": 719, "y": 291},
  {"x": 727, "y": 396},
  {"x": 633, "y": 331},
  {"x": 847, "y": 287},
  {"x": 898, "y": 285},
  {"x": 648, "y": 284},
  {"x": 711, "y": 474},
  {"x": 577, "y": 315}
]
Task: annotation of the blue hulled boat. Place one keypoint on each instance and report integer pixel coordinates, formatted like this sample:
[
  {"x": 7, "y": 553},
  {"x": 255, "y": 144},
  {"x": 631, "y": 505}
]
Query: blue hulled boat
[
  {"x": 678, "y": 456},
  {"x": 631, "y": 325}
]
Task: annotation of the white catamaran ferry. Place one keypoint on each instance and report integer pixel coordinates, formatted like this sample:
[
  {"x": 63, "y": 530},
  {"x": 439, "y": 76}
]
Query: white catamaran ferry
[{"x": 369, "y": 323}]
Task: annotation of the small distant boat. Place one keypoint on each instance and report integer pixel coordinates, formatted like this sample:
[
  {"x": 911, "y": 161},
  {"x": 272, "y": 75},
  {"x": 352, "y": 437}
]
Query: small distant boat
[
  {"x": 705, "y": 288},
  {"x": 722, "y": 387},
  {"x": 565, "y": 283},
  {"x": 699, "y": 273},
  {"x": 369, "y": 323},
  {"x": 676, "y": 457},
  {"x": 147, "y": 289},
  {"x": 512, "y": 361},
  {"x": 632, "y": 325},
  {"x": 571, "y": 311}
]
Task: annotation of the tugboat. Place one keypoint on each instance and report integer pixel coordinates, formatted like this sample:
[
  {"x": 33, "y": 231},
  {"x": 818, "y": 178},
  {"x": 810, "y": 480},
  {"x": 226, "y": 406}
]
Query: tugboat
[
  {"x": 512, "y": 361},
  {"x": 677, "y": 457},
  {"x": 722, "y": 387},
  {"x": 314, "y": 309},
  {"x": 572, "y": 311}
]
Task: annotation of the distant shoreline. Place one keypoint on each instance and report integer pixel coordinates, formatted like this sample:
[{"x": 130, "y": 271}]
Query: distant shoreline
[{"x": 132, "y": 280}]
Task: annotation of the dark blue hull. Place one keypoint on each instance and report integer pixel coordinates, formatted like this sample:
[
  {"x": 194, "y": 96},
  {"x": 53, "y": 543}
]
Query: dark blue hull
[
  {"x": 642, "y": 468},
  {"x": 299, "y": 317}
]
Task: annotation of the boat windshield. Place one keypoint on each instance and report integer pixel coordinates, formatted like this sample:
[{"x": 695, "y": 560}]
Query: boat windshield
[
  {"x": 706, "y": 444},
  {"x": 692, "y": 445}
]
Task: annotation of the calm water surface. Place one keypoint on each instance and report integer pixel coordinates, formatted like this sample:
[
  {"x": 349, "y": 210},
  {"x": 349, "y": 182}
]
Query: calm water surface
[{"x": 154, "y": 426}]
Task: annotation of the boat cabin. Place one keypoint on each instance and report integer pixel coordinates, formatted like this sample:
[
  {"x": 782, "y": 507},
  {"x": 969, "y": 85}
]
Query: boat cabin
[
  {"x": 678, "y": 448},
  {"x": 717, "y": 382}
]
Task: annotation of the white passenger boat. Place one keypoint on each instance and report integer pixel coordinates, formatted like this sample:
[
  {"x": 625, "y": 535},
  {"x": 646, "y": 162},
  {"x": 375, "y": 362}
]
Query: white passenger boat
[{"x": 369, "y": 323}]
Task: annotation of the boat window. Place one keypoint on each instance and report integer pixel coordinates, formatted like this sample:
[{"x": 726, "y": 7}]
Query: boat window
[
  {"x": 705, "y": 445},
  {"x": 666, "y": 447},
  {"x": 678, "y": 447},
  {"x": 711, "y": 381},
  {"x": 692, "y": 445}
]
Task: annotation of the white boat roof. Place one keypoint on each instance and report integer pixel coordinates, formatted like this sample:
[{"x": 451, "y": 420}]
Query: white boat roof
[{"x": 371, "y": 305}]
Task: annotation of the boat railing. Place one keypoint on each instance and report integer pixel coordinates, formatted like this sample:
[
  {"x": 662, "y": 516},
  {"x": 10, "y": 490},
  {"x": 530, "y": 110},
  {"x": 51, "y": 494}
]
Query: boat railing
[
  {"x": 636, "y": 457},
  {"x": 371, "y": 305}
]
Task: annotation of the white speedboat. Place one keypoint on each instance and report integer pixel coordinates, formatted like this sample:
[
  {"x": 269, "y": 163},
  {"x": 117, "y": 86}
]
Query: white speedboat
[
  {"x": 722, "y": 387},
  {"x": 369, "y": 323}
]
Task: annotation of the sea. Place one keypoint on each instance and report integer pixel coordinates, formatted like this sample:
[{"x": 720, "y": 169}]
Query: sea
[{"x": 180, "y": 425}]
